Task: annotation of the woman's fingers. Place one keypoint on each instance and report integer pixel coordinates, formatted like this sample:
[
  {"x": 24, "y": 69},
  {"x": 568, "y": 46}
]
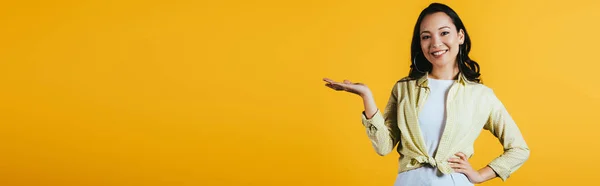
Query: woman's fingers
[
  {"x": 335, "y": 86},
  {"x": 462, "y": 156},
  {"x": 458, "y": 166},
  {"x": 455, "y": 160},
  {"x": 457, "y": 163},
  {"x": 332, "y": 84},
  {"x": 343, "y": 82},
  {"x": 347, "y": 85},
  {"x": 328, "y": 80},
  {"x": 462, "y": 166}
]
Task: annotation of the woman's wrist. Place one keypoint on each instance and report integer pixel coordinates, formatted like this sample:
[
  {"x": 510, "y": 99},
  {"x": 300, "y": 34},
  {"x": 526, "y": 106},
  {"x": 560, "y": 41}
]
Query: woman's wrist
[
  {"x": 366, "y": 94},
  {"x": 486, "y": 173}
]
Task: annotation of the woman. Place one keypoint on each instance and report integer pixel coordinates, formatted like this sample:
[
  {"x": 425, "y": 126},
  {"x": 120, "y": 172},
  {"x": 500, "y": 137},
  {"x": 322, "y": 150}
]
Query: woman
[{"x": 435, "y": 114}]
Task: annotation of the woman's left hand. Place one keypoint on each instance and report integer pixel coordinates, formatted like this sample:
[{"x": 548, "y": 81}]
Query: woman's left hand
[{"x": 462, "y": 166}]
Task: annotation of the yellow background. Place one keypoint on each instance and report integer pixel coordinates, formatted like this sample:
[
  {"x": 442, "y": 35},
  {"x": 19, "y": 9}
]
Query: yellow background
[{"x": 230, "y": 93}]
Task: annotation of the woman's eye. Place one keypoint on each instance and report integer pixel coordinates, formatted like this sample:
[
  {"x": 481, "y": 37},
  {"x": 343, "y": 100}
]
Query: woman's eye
[
  {"x": 425, "y": 37},
  {"x": 445, "y": 33}
]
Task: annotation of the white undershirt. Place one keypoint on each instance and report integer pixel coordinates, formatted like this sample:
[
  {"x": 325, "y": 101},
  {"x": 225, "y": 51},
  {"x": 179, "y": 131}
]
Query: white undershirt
[
  {"x": 432, "y": 120},
  {"x": 432, "y": 117}
]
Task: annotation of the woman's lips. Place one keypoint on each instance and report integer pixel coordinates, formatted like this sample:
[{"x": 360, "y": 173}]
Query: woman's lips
[{"x": 439, "y": 53}]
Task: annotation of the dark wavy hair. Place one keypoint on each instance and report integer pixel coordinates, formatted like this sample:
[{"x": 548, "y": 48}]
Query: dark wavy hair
[{"x": 468, "y": 67}]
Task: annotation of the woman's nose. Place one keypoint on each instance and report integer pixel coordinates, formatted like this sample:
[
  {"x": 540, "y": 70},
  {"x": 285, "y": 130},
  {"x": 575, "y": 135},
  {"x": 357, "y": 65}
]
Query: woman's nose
[{"x": 437, "y": 42}]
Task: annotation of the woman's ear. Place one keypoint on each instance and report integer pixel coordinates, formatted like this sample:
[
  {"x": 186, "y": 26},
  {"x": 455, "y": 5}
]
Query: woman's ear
[{"x": 461, "y": 37}]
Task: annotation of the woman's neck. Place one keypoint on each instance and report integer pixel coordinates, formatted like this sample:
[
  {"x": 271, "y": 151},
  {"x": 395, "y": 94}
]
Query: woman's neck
[{"x": 448, "y": 72}]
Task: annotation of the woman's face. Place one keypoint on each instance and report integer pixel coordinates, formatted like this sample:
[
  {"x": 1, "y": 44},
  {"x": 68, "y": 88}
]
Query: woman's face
[{"x": 440, "y": 40}]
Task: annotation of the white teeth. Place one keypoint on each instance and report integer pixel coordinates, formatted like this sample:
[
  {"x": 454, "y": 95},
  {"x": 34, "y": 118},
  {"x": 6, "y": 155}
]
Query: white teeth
[{"x": 439, "y": 52}]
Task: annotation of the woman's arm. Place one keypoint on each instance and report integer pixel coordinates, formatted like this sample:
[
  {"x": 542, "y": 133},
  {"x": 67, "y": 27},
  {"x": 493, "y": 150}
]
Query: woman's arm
[
  {"x": 382, "y": 130},
  {"x": 486, "y": 173},
  {"x": 462, "y": 165},
  {"x": 516, "y": 151},
  {"x": 369, "y": 104}
]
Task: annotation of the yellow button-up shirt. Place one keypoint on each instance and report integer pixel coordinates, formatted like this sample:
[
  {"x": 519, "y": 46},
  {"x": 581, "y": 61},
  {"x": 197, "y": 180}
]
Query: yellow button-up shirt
[{"x": 470, "y": 107}]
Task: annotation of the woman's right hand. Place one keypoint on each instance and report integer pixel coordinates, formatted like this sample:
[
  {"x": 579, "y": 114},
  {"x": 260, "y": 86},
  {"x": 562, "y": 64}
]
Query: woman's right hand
[{"x": 356, "y": 88}]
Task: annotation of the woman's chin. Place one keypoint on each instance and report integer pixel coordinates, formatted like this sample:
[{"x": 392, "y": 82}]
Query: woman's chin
[{"x": 440, "y": 63}]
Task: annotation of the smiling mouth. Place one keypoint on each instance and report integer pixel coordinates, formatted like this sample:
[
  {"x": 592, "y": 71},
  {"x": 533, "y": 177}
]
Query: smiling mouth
[{"x": 439, "y": 53}]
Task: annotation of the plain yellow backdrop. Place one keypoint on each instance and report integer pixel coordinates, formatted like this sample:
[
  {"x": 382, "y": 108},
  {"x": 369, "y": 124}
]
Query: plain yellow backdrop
[{"x": 182, "y": 92}]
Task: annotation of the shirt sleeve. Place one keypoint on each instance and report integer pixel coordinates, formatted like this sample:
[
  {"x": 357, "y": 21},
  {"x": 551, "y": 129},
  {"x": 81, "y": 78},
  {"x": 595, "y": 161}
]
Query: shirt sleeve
[
  {"x": 516, "y": 151},
  {"x": 383, "y": 130}
]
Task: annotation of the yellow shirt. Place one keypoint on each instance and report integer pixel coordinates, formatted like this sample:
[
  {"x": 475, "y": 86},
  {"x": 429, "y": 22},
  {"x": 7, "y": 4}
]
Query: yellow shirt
[{"x": 470, "y": 107}]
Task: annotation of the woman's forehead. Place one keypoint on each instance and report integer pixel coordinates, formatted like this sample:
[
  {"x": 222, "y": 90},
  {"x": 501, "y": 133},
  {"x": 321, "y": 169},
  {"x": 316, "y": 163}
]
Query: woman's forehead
[{"x": 435, "y": 21}]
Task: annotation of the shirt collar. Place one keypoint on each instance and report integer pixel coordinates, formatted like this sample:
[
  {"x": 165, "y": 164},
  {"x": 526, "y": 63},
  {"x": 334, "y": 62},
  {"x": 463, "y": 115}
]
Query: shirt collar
[{"x": 423, "y": 82}]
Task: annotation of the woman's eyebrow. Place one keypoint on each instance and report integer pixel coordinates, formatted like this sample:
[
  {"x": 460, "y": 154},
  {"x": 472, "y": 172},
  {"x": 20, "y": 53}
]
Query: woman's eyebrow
[
  {"x": 444, "y": 27},
  {"x": 438, "y": 29}
]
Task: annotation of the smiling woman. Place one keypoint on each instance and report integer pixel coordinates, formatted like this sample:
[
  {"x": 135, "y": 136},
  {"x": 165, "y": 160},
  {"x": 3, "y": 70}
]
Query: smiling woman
[
  {"x": 439, "y": 29},
  {"x": 435, "y": 114}
]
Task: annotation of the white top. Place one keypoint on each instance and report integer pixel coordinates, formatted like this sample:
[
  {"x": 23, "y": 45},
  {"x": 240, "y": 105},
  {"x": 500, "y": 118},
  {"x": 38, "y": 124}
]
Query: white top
[{"x": 432, "y": 120}]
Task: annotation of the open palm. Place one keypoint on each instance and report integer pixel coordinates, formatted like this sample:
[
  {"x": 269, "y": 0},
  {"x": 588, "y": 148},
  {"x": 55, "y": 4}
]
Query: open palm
[{"x": 356, "y": 88}]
